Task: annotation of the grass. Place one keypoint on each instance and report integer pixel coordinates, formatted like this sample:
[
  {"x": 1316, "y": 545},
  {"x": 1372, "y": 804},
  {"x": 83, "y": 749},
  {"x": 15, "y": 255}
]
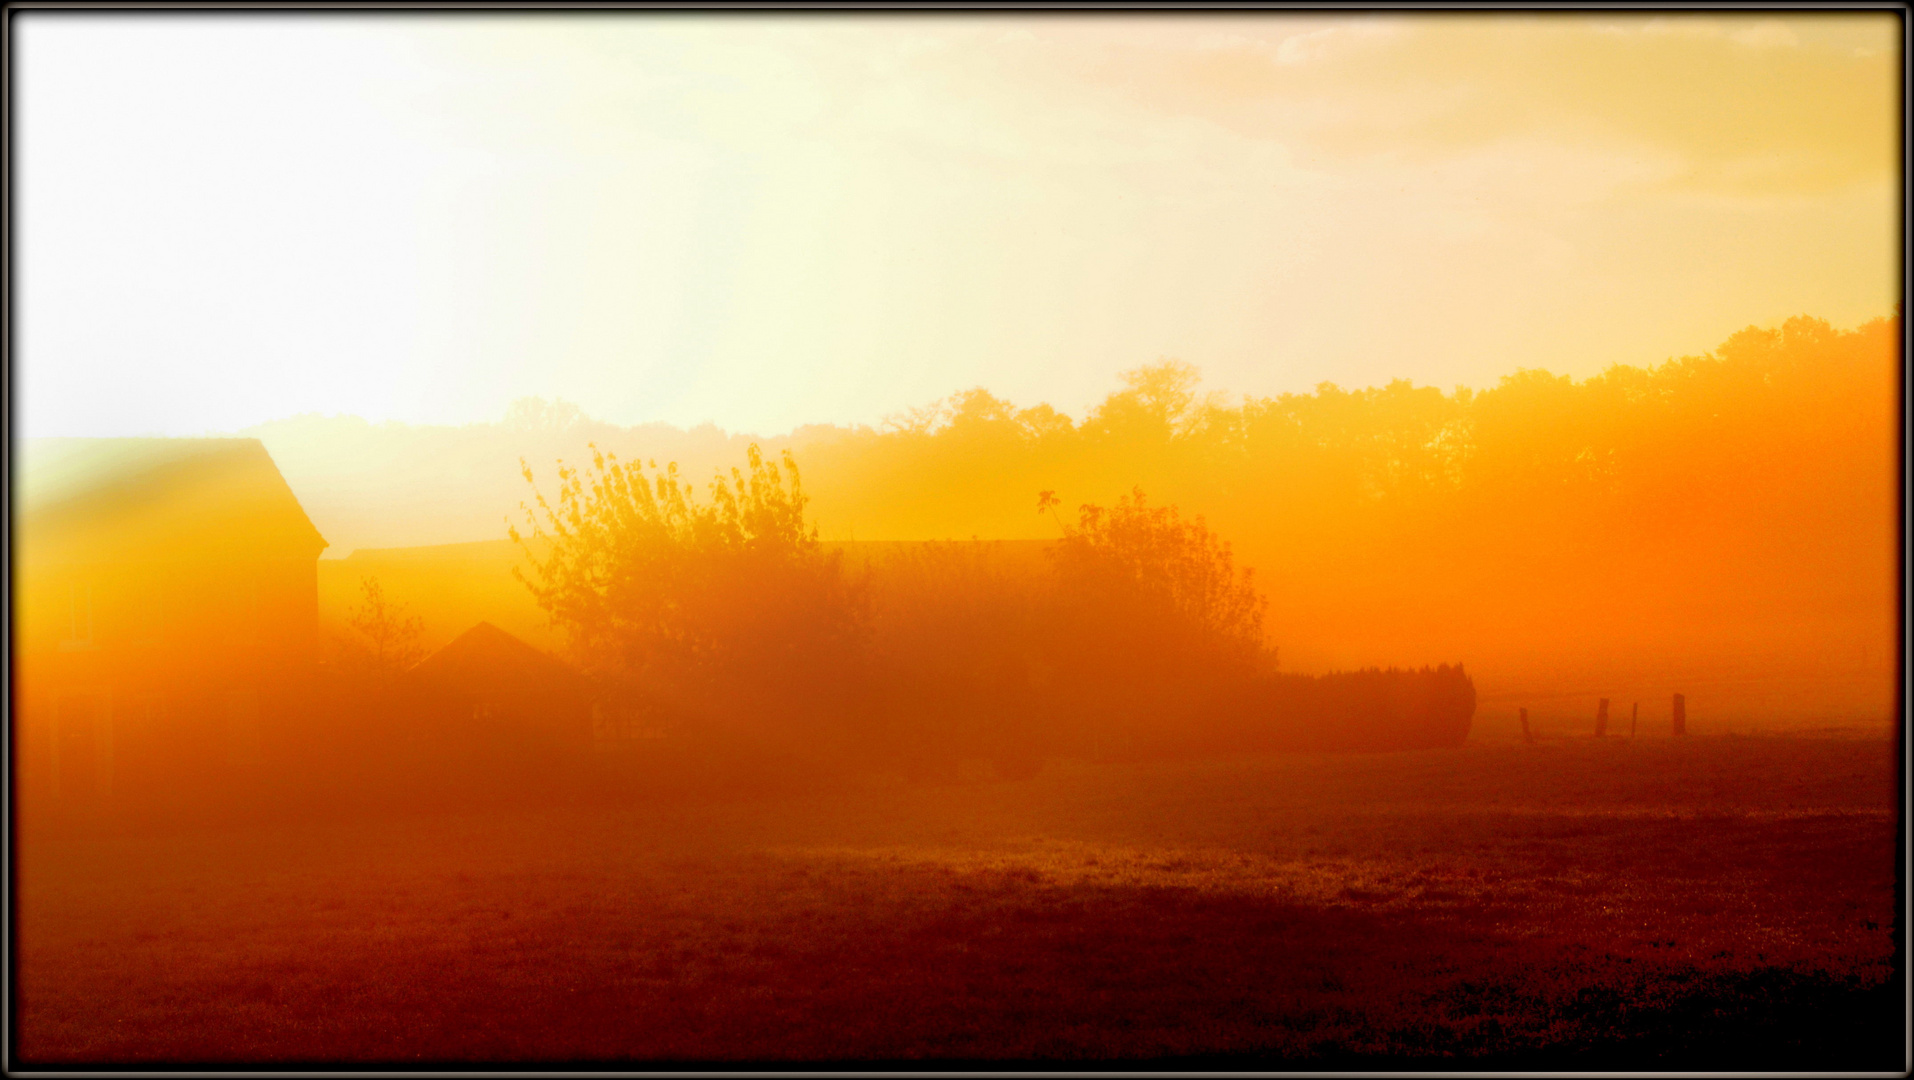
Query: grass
[{"x": 1715, "y": 902}]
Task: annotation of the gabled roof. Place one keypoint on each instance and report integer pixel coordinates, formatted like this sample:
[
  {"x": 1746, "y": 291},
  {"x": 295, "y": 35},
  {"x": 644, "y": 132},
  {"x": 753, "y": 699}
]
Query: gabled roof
[
  {"x": 81, "y": 500},
  {"x": 486, "y": 660}
]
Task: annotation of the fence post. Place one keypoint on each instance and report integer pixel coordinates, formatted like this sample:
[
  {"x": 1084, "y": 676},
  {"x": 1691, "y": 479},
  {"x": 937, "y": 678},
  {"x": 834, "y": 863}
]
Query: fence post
[
  {"x": 1681, "y": 715},
  {"x": 1601, "y": 718}
]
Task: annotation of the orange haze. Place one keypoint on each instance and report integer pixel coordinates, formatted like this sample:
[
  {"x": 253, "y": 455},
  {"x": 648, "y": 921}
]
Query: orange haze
[{"x": 1722, "y": 526}]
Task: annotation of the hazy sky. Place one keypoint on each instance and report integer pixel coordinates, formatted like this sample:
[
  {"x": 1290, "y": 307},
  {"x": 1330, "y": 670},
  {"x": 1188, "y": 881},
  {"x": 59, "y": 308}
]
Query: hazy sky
[{"x": 765, "y": 222}]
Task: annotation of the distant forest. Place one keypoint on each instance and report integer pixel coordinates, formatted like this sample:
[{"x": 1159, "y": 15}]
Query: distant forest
[
  {"x": 1730, "y": 511},
  {"x": 1756, "y": 484}
]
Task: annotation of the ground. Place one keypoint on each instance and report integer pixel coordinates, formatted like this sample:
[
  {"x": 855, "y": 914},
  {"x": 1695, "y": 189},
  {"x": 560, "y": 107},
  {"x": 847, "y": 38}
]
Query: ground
[{"x": 1710, "y": 902}]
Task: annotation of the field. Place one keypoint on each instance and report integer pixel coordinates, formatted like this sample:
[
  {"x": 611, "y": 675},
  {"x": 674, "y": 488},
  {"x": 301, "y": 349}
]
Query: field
[{"x": 1718, "y": 901}]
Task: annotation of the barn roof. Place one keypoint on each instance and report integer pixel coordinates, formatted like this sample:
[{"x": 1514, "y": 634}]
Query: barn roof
[
  {"x": 486, "y": 659},
  {"x": 81, "y": 500}
]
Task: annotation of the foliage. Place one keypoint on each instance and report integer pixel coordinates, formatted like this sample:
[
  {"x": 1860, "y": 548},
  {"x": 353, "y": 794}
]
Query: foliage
[
  {"x": 1183, "y": 574},
  {"x": 1392, "y": 521},
  {"x": 389, "y": 633},
  {"x": 729, "y": 611},
  {"x": 722, "y": 606},
  {"x": 535, "y": 414},
  {"x": 1147, "y": 624},
  {"x": 1745, "y": 497}
]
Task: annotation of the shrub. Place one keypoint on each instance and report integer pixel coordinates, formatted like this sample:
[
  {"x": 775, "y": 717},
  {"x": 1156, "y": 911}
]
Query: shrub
[
  {"x": 1149, "y": 613},
  {"x": 727, "y": 611},
  {"x": 1370, "y": 709}
]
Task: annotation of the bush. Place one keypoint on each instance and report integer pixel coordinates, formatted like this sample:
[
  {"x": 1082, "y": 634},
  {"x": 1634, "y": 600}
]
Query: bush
[
  {"x": 1135, "y": 634},
  {"x": 1148, "y": 614},
  {"x": 726, "y": 611}
]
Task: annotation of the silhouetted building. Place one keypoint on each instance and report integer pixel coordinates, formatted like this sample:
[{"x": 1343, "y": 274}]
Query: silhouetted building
[
  {"x": 165, "y": 600},
  {"x": 487, "y": 683}
]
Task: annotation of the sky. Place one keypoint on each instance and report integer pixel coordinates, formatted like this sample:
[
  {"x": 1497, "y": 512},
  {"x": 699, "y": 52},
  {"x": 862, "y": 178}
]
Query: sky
[{"x": 764, "y": 222}]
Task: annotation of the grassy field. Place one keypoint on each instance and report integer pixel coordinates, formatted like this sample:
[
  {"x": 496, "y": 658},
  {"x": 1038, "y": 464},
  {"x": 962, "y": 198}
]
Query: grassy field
[{"x": 1713, "y": 902}]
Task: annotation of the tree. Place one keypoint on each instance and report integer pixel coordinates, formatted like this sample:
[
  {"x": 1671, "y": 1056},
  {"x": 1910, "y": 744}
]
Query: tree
[
  {"x": 1151, "y": 622},
  {"x": 390, "y": 633},
  {"x": 1180, "y": 568},
  {"x": 535, "y": 414},
  {"x": 1157, "y": 402},
  {"x": 727, "y": 607}
]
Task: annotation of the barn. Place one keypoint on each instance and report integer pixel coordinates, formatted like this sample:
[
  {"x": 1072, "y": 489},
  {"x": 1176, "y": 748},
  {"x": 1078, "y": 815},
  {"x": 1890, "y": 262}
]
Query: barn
[{"x": 165, "y": 606}]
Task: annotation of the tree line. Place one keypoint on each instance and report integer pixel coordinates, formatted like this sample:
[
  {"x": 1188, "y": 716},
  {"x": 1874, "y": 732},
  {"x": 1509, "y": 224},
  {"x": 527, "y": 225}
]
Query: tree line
[
  {"x": 1643, "y": 510},
  {"x": 1744, "y": 497},
  {"x": 1728, "y": 510}
]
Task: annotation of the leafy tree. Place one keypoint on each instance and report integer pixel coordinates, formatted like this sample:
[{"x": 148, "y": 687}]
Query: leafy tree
[
  {"x": 1180, "y": 568},
  {"x": 535, "y": 414},
  {"x": 1157, "y": 398},
  {"x": 726, "y": 607},
  {"x": 1150, "y": 621}
]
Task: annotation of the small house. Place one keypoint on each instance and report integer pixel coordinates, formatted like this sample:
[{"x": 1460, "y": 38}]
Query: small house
[{"x": 486, "y": 683}]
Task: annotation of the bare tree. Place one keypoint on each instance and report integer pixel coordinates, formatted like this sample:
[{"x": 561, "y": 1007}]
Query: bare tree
[{"x": 390, "y": 634}]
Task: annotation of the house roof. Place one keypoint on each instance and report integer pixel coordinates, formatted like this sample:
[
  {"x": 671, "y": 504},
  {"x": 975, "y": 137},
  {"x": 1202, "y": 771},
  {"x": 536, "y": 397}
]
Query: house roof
[
  {"x": 486, "y": 660},
  {"x": 82, "y": 500}
]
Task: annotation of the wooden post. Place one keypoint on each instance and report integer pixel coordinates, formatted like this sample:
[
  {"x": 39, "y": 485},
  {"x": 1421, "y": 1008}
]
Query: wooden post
[
  {"x": 1634, "y": 714},
  {"x": 1601, "y": 719},
  {"x": 1681, "y": 715},
  {"x": 1526, "y": 735}
]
